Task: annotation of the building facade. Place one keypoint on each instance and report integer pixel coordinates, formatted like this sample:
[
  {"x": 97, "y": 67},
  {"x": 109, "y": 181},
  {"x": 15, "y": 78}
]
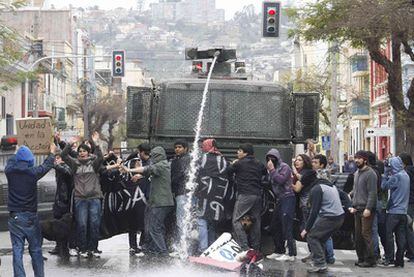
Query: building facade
[{"x": 381, "y": 111}]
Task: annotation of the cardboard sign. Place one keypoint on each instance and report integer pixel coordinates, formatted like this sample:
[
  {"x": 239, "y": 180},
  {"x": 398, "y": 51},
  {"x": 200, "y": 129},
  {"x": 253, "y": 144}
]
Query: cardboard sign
[
  {"x": 220, "y": 254},
  {"x": 35, "y": 133}
]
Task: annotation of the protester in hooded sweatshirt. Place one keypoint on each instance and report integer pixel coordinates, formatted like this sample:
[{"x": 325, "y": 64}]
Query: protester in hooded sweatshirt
[
  {"x": 248, "y": 172},
  {"x": 326, "y": 216},
  {"x": 87, "y": 194},
  {"x": 397, "y": 181},
  {"x": 63, "y": 197},
  {"x": 213, "y": 185},
  {"x": 409, "y": 168},
  {"x": 364, "y": 203},
  {"x": 23, "y": 223},
  {"x": 161, "y": 202},
  {"x": 180, "y": 166},
  {"x": 280, "y": 177}
]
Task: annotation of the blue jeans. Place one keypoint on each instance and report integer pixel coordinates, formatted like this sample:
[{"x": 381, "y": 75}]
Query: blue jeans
[
  {"x": 88, "y": 214},
  {"x": 329, "y": 250},
  {"x": 25, "y": 226},
  {"x": 206, "y": 234},
  {"x": 282, "y": 226},
  {"x": 181, "y": 200}
]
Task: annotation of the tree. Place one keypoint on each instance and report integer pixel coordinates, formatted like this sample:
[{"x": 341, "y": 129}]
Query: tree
[
  {"x": 315, "y": 80},
  {"x": 369, "y": 24},
  {"x": 108, "y": 109},
  {"x": 9, "y": 45}
]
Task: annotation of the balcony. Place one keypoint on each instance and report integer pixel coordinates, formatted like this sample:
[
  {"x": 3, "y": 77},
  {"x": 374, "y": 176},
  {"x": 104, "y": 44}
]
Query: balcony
[
  {"x": 72, "y": 102},
  {"x": 360, "y": 108},
  {"x": 359, "y": 64}
]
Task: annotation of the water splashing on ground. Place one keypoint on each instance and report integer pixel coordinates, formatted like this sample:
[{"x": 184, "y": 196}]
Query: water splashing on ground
[{"x": 191, "y": 184}]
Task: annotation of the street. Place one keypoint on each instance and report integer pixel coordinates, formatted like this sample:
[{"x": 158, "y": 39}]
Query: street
[{"x": 115, "y": 261}]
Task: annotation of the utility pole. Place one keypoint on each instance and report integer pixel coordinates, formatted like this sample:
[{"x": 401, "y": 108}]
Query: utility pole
[
  {"x": 334, "y": 101},
  {"x": 35, "y": 84},
  {"x": 85, "y": 88}
]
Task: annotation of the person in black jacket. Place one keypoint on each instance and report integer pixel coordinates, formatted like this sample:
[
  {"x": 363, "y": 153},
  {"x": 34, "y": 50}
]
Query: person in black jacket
[
  {"x": 23, "y": 223},
  {"x": 248, "y": 175},
  {"x": 409, "y": 168},
  {"x": 326, "y": 216},
  {"x": 63, "y": 196},
  {"x": 378, "y": 226},
  {"x": 179, "y": 168}
]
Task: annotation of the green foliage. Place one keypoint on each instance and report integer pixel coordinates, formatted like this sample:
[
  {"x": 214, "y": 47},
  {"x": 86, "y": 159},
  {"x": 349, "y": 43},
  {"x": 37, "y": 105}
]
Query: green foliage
[
  {"x": 358, "y": 21},
  {"x": 9, "y": 47}
]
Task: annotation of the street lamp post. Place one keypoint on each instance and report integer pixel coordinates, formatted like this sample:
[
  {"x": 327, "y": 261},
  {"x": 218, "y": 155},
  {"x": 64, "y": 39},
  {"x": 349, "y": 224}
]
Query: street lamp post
[{"x": 36, "y": 96}]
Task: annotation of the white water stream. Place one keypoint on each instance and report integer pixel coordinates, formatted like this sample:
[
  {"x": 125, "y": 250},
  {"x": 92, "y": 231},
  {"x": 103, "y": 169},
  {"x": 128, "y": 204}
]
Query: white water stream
[{"x": 191, "y": 184}]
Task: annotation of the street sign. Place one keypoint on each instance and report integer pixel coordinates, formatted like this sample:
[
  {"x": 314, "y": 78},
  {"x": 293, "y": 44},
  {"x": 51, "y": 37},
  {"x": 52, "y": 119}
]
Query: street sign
[
  {"x": 326, "y": 143},
  {"x": 378, "y": 132}
]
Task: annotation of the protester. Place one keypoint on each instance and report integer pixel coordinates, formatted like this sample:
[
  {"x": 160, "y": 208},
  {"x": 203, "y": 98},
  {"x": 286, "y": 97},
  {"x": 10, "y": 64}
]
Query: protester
[
  {"x": 310, "y": 148},
  {"x": 63, "y": 199},
  {"x": 409, "y": 168},
  {"x": 397, "y": 182},
  {"x": 248, "y": 175},
  {"x": 23, "y": 223},
  {"x": 180, "y": 166},
  {"x": 132, "y": 184},
  {"x": 364, "y": 202},
  {"x": 326, "y": 216},
  {"x": 161, "y": 202},
  {"x": 332, "y": 166},
  {"x": 304, "y": 178},
  {"x": 280, "y": 178},
  {"x": 350, "y": 165},
  {"x": 87, "y": 194},
  {"x": 319, "y": 164},
  {"x": 378, "y": 226},
  {"x": 213, "y": 185}
]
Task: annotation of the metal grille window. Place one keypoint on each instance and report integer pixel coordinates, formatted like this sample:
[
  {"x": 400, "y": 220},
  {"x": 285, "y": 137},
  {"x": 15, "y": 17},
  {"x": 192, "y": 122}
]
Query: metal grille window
[{"x": 232, "y": 110}]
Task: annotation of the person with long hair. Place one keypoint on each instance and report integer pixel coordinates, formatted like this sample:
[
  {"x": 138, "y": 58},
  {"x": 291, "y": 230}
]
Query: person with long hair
[
  {"x": 87, "y": 194},
  {"x": 304, "y": 178}
]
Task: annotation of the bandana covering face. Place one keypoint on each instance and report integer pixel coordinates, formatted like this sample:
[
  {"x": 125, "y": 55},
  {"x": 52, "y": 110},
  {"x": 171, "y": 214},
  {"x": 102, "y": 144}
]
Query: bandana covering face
[{"x": 209, "y": 148}]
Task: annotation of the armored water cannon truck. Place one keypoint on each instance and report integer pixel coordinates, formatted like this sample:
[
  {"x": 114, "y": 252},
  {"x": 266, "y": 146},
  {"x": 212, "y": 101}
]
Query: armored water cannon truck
[{"x": 238, "y": 110}]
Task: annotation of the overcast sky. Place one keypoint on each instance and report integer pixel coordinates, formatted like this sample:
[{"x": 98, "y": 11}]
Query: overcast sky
[{"x": 231, "y": 6}]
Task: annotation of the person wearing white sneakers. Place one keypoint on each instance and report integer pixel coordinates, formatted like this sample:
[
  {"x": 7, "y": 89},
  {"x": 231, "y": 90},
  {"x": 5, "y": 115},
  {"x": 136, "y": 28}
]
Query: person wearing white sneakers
[
  {"x": 280, "y": 177},
  {"x": 326, "y": 216}
]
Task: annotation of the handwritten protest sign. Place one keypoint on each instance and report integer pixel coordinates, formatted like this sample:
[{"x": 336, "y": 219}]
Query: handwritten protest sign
[{"x": 35, "y": 133}]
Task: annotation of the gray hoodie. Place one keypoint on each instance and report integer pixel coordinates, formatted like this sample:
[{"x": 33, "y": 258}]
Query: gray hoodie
[{"x": 160, "y": 172}]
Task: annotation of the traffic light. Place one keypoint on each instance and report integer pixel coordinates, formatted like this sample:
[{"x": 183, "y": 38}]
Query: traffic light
[
  {"x": 118, "y": 63},
  {"x": 271, "y": 18}
]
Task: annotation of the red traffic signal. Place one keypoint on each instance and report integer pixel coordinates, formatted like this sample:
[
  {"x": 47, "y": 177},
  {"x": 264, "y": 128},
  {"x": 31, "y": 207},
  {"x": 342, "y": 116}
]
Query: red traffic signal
[
  {"x": 118, "y": 63},
  {"x": 271, "y": 18}
]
